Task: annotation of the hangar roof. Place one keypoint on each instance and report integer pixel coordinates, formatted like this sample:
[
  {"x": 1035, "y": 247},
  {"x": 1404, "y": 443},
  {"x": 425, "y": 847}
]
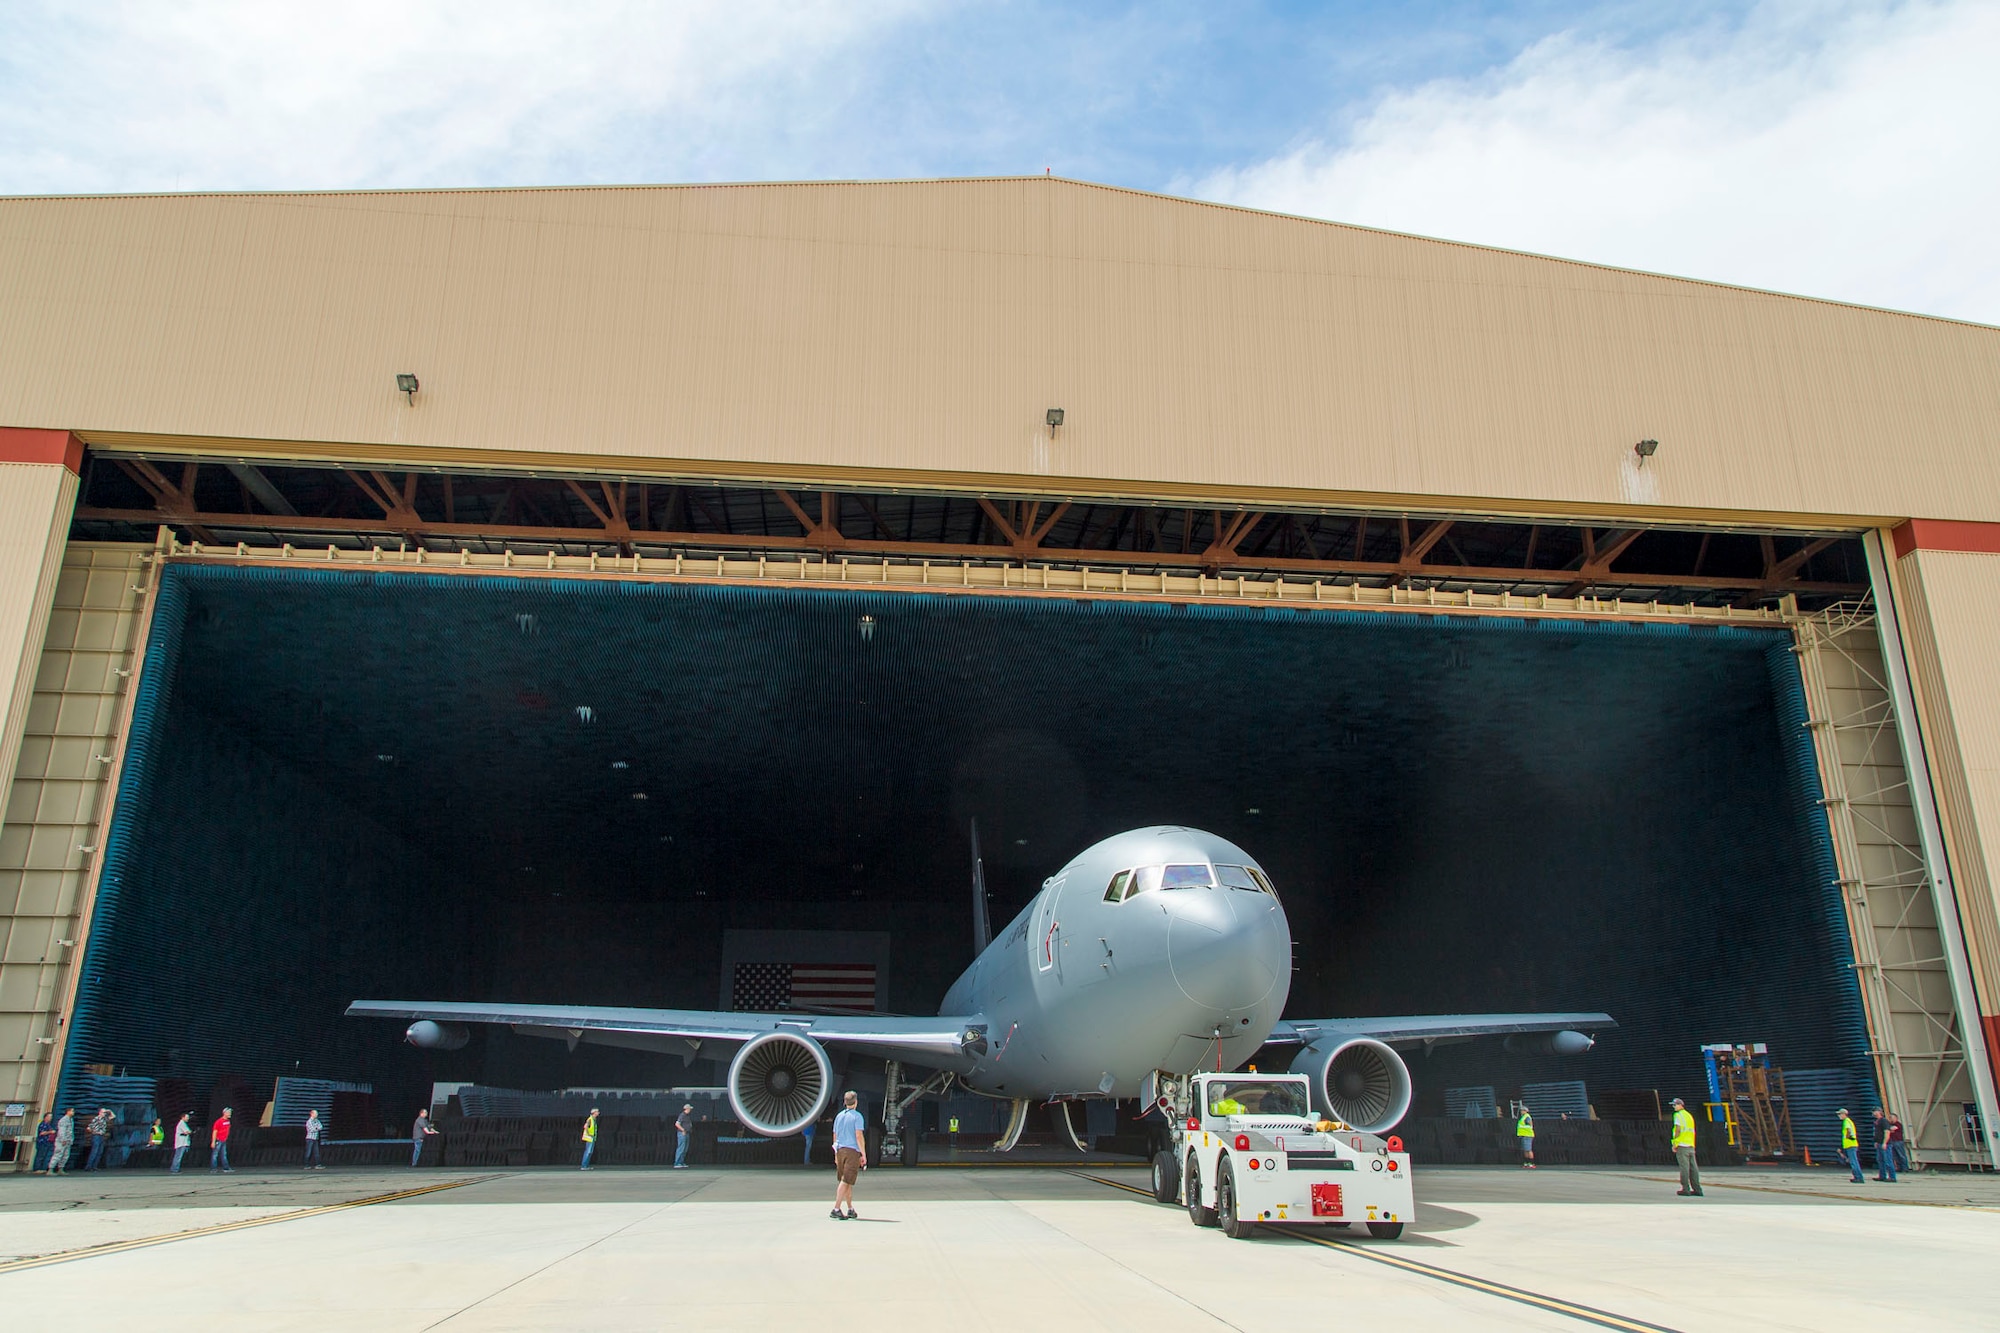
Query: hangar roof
[{"x": 916, "y": 332}]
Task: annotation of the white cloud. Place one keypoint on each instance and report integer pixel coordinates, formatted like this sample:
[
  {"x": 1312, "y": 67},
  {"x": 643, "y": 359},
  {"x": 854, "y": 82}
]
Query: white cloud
[
  {"x": 1849, "y": 152},
  {"x": 236, "y": 94}
]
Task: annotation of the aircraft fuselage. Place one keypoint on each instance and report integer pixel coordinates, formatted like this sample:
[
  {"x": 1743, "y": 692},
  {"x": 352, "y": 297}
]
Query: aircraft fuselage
[{"x": 1160, "y": 948}]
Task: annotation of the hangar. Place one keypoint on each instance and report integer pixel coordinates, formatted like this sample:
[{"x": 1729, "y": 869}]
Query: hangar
[{"x": 510, "y": 594}]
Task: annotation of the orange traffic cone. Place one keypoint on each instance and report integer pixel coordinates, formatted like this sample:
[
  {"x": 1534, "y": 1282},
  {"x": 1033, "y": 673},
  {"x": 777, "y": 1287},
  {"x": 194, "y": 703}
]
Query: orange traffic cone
[{"x": 1806, "y": 1152}]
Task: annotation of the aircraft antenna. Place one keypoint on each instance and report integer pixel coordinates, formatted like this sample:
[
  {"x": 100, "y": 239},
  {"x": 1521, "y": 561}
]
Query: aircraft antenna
[{"x": 982, "y": 931}]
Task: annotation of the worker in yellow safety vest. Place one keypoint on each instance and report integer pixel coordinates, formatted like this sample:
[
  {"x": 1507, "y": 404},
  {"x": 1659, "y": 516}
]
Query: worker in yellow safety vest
[
  {"x": 1524, "y": 1131},
  {"x": 1850, "y": 1146},
  {"x": 1683, "y": 1141}
]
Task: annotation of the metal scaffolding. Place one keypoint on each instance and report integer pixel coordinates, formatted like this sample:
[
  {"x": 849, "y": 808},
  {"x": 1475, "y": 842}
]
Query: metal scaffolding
[{"x": 1904, "y": 976}]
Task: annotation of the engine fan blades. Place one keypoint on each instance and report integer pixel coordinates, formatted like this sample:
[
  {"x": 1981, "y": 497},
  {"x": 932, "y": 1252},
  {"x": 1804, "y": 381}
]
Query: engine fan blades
[{"x": 779, "y": 1083}]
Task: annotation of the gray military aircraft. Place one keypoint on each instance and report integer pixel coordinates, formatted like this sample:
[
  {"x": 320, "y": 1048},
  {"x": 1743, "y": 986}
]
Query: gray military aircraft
[{"x": 1159, "y": 950}]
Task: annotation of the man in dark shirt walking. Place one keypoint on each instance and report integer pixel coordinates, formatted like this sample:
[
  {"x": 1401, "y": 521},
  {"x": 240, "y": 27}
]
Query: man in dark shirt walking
[
  {"x": 683, "y": 1131},
  {"x": 1885, "y": 1148},
  {"x": 420, "y": 1131}
]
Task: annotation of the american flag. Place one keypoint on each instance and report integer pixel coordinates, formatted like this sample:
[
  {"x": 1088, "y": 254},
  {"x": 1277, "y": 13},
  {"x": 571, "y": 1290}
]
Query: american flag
[{"x": 771, "y": 986}]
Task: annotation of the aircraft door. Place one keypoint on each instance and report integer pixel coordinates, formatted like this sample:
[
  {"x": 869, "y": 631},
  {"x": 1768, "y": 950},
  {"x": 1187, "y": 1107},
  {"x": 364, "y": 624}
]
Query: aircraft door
[{"x": 1048, "y": 929}]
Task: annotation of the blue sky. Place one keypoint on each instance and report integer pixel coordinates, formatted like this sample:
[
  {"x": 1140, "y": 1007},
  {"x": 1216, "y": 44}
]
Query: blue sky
[{"x": 1842, "y": 148}]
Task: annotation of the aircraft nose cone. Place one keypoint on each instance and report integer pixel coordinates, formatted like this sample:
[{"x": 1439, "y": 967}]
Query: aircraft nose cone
[{"x": 1219, "y": 954}]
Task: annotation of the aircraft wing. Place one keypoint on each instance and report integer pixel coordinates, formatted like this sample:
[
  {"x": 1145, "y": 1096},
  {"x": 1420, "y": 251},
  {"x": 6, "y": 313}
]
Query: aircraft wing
[
  {"x": 685, "y": 1032},
  {"x": 1415, "y": 1028}
]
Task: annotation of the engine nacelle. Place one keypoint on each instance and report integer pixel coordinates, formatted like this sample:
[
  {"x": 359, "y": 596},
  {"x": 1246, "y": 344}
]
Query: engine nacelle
[
  {"x": 1357, "y": 1081},
  {"x": 780, "y": 1082},
  {"x": 429, "y": 1036},
  {"x": 1565, "y": 1042}
]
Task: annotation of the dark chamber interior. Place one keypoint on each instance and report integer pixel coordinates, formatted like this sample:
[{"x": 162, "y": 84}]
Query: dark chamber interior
[{"x": 346, "y": 785}]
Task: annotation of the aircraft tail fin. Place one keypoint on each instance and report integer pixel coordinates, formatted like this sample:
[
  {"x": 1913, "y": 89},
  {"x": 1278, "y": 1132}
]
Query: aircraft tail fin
[{"x": 982, "y": 930}]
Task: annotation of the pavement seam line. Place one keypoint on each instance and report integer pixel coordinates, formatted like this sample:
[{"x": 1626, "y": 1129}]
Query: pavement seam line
[
  {"x": 565, "y": 1258},
  {"x": 1154, "y": 1283},
  {"x": 1520, "y": 1295},
  {"x": 1821, "y": 1194},
  {"x": 294, "y": 1215}
]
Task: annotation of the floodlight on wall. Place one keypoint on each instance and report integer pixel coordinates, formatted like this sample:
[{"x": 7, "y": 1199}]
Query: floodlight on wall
[
  {"x": 1055, "y": 417},
  {"x": 1646, "y": 449},
  {"x": 406, "y": 385}
]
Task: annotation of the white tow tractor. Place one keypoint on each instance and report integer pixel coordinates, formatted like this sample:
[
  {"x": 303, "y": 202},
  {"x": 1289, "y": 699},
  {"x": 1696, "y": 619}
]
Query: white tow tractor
[{"x": 1247, "y": 1149}]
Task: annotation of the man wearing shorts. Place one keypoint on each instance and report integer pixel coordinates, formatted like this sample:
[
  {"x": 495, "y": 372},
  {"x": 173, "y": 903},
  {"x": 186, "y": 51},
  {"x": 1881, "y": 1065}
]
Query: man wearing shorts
[{"x": 850, "y": 1155}]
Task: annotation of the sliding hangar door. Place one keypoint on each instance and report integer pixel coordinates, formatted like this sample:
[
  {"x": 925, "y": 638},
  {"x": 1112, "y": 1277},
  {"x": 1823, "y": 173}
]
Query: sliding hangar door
[{"x": 512, "y": 773}]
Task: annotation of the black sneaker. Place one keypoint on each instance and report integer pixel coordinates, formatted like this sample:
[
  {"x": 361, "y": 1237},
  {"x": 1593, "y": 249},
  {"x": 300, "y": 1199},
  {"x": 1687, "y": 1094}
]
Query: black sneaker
[
  {"x": 837, "y": 1215},
  {"x": 853, "y": 1216}
]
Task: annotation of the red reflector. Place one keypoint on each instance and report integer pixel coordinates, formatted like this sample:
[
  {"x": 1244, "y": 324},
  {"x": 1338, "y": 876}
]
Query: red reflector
[
  {"x": 1392, "y": 1164},
  {"x": 1395, "y": 1144},
  {"x": 1326, "y": 1201},
  {"x": 1254, "y": 1164},
  {"x": 1193, "y": 1123},
  {"x": 1243, "y": 1143}
]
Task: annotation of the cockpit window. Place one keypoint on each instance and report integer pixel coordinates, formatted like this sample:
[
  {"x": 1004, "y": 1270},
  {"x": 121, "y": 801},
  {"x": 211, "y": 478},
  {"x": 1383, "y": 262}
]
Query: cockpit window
[
  {"x": 1256, "y": 1098},
  {"x": 1144, "y": 880},
  {"x": 1244, "y": 877},
  {"x": 1187, "y": 877},
  {"x": 1115, "y": 891}
]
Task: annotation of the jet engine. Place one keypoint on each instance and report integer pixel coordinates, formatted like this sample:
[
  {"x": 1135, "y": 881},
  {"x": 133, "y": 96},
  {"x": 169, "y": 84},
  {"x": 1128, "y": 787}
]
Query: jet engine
[
  {"x": 1565, "y": 1042},
  {"x": 1357, "y": 1081},
  {"x": 780, "y": 1082},
  {"x": 428, "y": 1036}
]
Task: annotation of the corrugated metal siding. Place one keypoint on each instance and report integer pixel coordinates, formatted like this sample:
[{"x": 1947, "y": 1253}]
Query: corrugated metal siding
[
  {"x": 923, "y": 327},
  {"x": 56, "y": 799},
  {"x": 36, "y": 500},
  {"x": 1953, "y": 637}
]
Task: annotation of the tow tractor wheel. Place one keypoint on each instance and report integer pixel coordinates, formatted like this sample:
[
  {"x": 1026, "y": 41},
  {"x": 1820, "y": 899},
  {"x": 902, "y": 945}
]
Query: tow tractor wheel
[
  {"x": 1234, "y": 1225},
  {"x": 1385, "y": 1230},
  {"x": 1200, "y": 1216},
  {"x": 1166, "y": 1177}
]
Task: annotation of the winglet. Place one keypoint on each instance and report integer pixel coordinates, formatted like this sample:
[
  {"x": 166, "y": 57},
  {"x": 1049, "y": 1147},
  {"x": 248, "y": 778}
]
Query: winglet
[{"x": 982, "y": 930}]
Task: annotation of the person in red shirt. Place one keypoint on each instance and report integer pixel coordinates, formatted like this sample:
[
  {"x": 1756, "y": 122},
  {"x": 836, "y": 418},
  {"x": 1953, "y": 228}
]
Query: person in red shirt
[{"x": 218, "y": 1144}]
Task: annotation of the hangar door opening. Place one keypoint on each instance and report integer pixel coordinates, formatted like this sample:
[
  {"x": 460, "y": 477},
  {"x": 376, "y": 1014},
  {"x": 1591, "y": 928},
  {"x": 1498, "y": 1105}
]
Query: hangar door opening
[{"x": 388, "y": 784}]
